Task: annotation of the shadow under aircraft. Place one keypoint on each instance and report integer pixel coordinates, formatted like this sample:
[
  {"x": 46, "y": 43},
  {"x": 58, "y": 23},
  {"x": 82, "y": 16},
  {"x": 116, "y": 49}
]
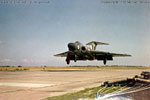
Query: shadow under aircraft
[{"x": 77, "y": 51}]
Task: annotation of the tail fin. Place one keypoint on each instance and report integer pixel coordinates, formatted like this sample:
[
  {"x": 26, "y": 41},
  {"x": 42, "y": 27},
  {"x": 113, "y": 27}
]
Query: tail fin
[{"x": 94, "y": 44}]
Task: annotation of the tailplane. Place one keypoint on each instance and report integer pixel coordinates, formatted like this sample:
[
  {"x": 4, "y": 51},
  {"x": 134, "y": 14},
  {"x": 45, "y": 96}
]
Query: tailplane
[{"x": 94, "y": 44}]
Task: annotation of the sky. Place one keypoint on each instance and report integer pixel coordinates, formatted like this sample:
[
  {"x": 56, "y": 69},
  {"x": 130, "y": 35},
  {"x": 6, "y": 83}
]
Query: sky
[{"x": 31, "y": 33}]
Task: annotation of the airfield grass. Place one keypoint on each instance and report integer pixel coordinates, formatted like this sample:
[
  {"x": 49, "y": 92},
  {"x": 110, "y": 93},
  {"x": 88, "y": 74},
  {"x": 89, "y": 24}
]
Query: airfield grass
[
  {"x": 72, "y": 68},
  {"x": 88, "y": 93}
]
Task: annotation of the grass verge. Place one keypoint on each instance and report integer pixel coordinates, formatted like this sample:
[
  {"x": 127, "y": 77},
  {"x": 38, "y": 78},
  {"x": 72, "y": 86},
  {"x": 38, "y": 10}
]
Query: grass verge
[
  {"x": 74, "y": 68},
  {"x": 87, "y": 93}
]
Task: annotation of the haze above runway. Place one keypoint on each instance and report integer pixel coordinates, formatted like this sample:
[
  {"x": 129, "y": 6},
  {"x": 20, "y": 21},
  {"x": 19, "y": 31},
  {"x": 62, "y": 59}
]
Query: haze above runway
[{"x": 35, "y": 85}]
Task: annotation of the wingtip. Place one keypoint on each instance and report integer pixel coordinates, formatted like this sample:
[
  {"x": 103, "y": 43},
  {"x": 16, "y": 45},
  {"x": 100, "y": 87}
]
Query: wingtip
[
  {"x": 128, "y": 55},
  {"x": 55, "y": 55},
  {"x": 106, "y": 43}
]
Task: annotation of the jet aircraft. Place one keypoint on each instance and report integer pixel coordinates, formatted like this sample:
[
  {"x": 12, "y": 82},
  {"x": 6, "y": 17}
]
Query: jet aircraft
[{"x": 77, "y": 51}]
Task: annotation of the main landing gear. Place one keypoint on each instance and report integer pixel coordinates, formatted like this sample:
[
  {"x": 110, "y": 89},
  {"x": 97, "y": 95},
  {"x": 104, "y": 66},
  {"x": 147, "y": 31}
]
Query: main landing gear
[
  {"x": 71, "y": 57},
  {"x": 104, "y": 61},
  {"x": 68, "y": 61}
]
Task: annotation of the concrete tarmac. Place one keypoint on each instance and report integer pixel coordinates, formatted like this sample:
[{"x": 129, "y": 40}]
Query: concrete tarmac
[{"x": 36, "y": 85}]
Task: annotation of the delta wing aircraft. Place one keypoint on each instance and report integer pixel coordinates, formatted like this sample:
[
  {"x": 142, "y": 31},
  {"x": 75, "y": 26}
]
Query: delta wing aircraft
[{"x": 77, "y": 51}]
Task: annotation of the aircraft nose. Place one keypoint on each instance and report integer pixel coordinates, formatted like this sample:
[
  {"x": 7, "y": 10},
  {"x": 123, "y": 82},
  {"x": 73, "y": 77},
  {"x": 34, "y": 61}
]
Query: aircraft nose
[{"x": 71, "y": 46}]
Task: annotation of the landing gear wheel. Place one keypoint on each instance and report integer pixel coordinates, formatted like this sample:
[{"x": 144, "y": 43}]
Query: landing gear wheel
[
  {"x": 75, "y": 58},
  {"x": 105, "y": 62},
  {"x": 68, "y": 61}
]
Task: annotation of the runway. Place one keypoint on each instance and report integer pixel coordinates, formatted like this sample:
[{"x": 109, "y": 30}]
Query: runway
[
  {"x": 25, "y": 84},
  {"x": 36, "y": 85}
]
